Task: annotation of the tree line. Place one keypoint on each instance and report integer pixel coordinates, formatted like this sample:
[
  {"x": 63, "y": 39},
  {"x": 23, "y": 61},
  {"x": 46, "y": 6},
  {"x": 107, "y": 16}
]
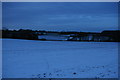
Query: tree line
[{"x": 33, "y": 34}]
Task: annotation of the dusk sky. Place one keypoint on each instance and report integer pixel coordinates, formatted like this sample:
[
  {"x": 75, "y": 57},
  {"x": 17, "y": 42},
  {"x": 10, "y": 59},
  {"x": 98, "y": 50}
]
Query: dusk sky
[{"x": 61, "y": 16}]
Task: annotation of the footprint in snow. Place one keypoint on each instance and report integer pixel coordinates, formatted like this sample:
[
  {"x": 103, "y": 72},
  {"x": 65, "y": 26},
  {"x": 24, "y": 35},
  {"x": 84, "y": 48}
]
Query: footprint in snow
[{"x": 74, "y": 73}]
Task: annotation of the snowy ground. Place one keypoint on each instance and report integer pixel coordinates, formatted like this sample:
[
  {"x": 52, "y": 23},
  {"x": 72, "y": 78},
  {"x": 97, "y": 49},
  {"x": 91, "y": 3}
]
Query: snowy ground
[
  {"x": 59, "y": 59},
  {"x": 0, "y": 58}
]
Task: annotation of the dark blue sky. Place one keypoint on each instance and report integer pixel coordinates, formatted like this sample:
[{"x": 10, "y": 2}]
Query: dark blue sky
[{"x": 61, "y": 16}]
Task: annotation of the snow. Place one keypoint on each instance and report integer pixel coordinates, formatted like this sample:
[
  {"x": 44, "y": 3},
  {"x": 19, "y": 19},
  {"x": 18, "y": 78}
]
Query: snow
[
  {"x": 0, "y": 59},
  {"x": 53, "y": 37},
  {"x": 59, "y": 59}
]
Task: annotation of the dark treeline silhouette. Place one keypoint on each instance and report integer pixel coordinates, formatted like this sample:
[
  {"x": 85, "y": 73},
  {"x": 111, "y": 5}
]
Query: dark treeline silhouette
[
  {"x": 115, "y": 35},
  {"x": 104, "y": 36},
  {"x": 19, "y": 34}
]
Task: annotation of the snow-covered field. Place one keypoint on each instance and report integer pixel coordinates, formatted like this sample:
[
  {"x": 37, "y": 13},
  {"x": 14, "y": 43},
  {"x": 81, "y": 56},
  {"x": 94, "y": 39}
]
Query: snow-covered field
[{"x": 59, "y": 59}]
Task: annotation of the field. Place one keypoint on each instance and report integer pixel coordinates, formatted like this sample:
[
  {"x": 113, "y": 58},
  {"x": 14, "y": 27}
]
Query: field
[{"x": 59, "y": 59}]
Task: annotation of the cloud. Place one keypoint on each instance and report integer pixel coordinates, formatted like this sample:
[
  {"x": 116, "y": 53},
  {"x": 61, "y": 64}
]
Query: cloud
[{"x": 61, "y": 16}]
